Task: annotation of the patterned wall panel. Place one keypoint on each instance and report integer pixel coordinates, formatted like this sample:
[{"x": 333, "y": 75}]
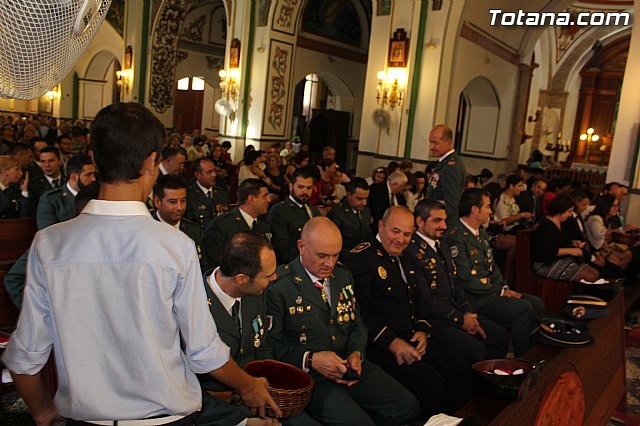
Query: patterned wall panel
[{"x": 278, "y": 84}]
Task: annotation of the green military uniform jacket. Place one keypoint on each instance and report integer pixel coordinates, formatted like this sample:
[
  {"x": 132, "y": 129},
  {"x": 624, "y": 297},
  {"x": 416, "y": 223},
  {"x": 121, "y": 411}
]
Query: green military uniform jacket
[
  {"x": 477, "y": 271},
  {"x": 225, "y": 226},
  {"x": 447, "y": 183},
  {"x": 302, "y": 321},
  {"x": 55, "y": 206},
  {"x": 436, "y": 281},
  {"x": 355, "y": 229},
  {"x": 38, "y": 186},
  {"x": 194, "y": 232},
  {"x": 202, "y": 209},
  {"x": 287, "y": 219},
  {"x": 245, "y": 347}
]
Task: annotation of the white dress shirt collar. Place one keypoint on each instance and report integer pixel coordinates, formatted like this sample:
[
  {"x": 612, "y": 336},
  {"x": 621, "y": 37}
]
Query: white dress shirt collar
[
  {"x": 203, "y": 189},
  {"x": 226, "y": 300},
  {"x": 431, "y": 242},
  {"x": 446, "y": 155},
  {"x": 116, "y": 208},
  {"x": 247, "y": 217},
  {"x": 475, "y": 232},
  {"x": 71, "y": 190}
]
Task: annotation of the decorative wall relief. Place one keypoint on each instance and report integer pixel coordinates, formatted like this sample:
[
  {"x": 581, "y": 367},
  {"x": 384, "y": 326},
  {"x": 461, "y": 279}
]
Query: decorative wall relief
[
  {"x": 164, "y": 52},
  {"x": 193, "y": 30},
  {"x": 263, "y": 12},
  {"x": 215, "y": 63},
  {"x": 286, "y": 16},
  {"x": 384, "y": 8},
  {"x": 278, "y": 76},
  {"x": 181, "y": 55}
]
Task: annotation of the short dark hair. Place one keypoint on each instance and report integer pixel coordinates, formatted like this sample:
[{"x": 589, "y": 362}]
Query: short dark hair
[
  {"x": 19, "y": 147},
  {"x": 241, "y": 255},
  {"x": 226, "y": 144},
  {"x": 172, "y": 151},
  {"x": 560, "y": 204},
  {"x": 471, "y": 197},
  {"x": 86, "y": 194},
  {"x": 123, "y": 135},
  {"x": 52, "y": 149},
  {"x": 251, "y": 157},
  {"x": 77, "y": 163},
  {"x": 578, "y": 196},
  {"x": 250, "y": 186},
  {"x": 607, "y": 188},
  {"x": 303, "y": 172},
  {"x": 324, "y": 164},
  {"x": 603, "y": 204},
  {"x": 196, "y": 166},
  {"x": 63, "y": 136},
  {"x": 393, "y": 166},
  {"x": 169, "y": 181},
  {"x": 300, "y": 157},
  {"x": 424, "y": 208},
  {"x": 513, "y": 180},
  {"x": 355, "y": 183}
]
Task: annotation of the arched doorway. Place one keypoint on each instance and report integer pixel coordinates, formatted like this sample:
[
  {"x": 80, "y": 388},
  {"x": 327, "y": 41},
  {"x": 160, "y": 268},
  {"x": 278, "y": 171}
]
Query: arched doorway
[
  {"x": 478, "y": 115},
  {"x": 323, "y": 114},
  {"x": 98, "y": 87}
]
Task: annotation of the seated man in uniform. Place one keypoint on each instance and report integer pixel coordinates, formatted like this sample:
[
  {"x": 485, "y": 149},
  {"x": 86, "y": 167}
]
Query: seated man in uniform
[
  {"x": 120, "y": 299},
  {"x": 236, "y": 298},
  {"x": 170, "y": 200},
  {"x": 449, "y": 310},
  {"x": 317, "y": 327},
  {"x": 57, "y": 205},
  {"x": 352, "y": 216},
  {"x": 480, "y": 277},
  {"x": 204, "y": 200},
  {"x": 401, "y": 340},
  {"x": 289, "y": 216},
  {"x": 253, "y": 203}
]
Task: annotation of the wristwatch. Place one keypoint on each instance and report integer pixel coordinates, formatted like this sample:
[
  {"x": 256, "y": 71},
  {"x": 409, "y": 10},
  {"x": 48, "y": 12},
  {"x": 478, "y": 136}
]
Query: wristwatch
[{"x": 309, "y": 360}]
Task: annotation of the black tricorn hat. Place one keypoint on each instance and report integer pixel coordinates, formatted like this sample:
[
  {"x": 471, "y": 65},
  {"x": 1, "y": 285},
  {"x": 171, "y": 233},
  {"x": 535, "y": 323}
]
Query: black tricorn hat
[
  {"x": 584, "y": 307},
  {"x": 563, "y": 333}
]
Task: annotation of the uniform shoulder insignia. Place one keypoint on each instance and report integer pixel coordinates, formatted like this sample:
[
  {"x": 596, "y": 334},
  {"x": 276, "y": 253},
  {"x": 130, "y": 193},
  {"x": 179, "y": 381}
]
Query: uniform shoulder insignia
[
  {"x": 361, "y": 247},
  {"x": 451, "y": 163},
  {"x": 283, "y": 271},
  {"x": 453, "y": 231}
]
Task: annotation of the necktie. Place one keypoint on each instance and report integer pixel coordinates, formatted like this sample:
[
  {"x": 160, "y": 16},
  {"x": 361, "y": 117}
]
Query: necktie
[
  {"x": 208, "y": 194},
  {"x": 235, "y": 315},
  {"x": 254, "y": 224},
  {"x": 439, "y": 251},
  {"x": 323, "y": 286},
  {"x": 308, "y": 210},
  {"x": 394, "y": 200},
  {"x": 56, "y": 183},
  {"x": 404, "y": 277}
]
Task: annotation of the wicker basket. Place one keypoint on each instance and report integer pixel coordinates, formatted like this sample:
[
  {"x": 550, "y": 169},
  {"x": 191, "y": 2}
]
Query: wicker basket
[
  {"x": 625, "y": 238},
  {"x": 289, "y": 386}
]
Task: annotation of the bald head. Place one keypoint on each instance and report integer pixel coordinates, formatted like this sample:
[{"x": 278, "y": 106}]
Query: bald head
[
  {"x": 319, "y": 245},
  {"x": 440, "y": 140}
]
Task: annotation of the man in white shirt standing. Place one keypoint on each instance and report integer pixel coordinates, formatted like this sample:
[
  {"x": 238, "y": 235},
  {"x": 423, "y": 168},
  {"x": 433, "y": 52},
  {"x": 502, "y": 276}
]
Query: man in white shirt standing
[{"x": 116, "y": 294}]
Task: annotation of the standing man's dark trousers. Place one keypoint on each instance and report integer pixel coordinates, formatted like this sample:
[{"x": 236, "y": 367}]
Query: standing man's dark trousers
[
  {"x": 377, "y": 400},
  {"x": 441, "y": 380},
  {"x": 516, "y": 315},
  {"x": 494, "y": 346}
]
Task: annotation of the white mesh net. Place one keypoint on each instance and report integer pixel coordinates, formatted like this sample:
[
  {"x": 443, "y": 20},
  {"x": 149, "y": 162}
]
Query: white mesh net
[{"x": 38, "y": 45}]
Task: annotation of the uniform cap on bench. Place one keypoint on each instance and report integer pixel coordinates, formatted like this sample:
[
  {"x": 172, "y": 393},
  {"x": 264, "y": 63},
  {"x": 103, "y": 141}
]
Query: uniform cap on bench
[
  {"x": 584, "y": 307},
  {"x": 563, "y": 333}
]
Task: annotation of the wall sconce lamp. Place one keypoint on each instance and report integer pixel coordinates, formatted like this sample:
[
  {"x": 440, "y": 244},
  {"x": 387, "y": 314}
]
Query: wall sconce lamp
[
  {"x": 125, "y": 75},
  {"x": 229, "y": 81},
  {"x": 391, "y": 87},
  {"x": 589, "y": 137},
  {"x": 53, "y": 94}
]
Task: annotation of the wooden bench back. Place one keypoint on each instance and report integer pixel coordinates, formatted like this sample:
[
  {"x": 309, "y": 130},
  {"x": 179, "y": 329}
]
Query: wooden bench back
[{"x": 15, "y": 238}]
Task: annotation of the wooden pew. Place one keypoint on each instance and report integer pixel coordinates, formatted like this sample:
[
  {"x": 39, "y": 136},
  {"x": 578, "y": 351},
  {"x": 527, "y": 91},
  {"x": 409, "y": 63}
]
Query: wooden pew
[
  {"x": 15, "y": 238},
  {"x": 552, "y": 292},
  {"x": 600, "y": 368}
]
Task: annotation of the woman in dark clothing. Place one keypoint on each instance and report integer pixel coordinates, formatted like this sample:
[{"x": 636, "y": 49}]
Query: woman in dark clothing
[{"x": 555, "y": 256}]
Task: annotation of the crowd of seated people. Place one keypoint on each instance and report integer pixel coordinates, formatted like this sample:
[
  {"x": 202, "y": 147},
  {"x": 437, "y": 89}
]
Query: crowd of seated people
[{"x": 452, "y": 283}]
